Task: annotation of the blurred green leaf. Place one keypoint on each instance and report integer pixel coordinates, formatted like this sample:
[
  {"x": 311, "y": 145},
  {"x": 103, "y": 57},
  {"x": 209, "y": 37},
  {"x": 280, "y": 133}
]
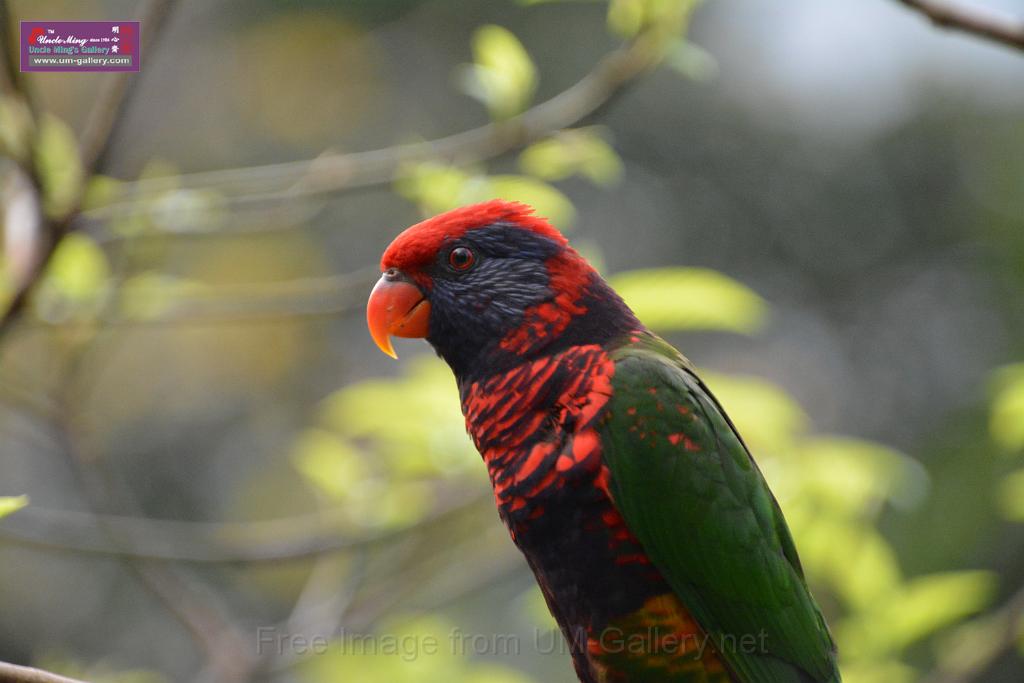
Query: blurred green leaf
[
  {"x": 150, "y": 295},
  {"x": 76, "y": 281},
  {"x": 390, "y": 503},
  {"x": 436, "y": 188},
  {"x": 668, "y": 299},
  {"x": 855, "y": 560},
  {"x": 370, "y": 496},
  {"x": 626, "y": 17},
  {"x": 549, "y": 202},
  {"x": 930, "y": 602},
  {"x": 16, "y": 128},
  {"x": 767, "y": 417},
  {"x": 9, "y": 504},
  {"x": 396, "y": 443},
  {"x": 414, "y": 422},
  {"x": 502, "y": 76},
  {"x": 59, "y": 166},
  {"x": 101, "y": 190},
  {"x": 328, "y": 462},
  {"x": 660, "y": 19},
  {"x": 571, "y": 152},
  {"x": 854, "y": 476},
  {"x": 879, "y": 671},
  {"x": 1006, "y": 420},
  {"x": 919, "y": 608},
  {"x": 692, "y": 61},
  {"x": 1011, "y": 496}
]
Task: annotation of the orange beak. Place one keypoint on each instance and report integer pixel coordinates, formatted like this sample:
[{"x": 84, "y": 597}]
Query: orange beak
[{"x": 397, "y": 308}]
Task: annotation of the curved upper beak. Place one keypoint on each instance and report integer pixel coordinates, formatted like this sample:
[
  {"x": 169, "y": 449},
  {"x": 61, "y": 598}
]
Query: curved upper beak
[{"x": 397, "y": 308}]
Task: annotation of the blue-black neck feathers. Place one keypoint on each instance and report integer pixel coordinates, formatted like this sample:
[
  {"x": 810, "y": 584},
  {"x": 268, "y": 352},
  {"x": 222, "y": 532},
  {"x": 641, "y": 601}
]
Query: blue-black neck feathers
[{"x": 472, "y": 313}]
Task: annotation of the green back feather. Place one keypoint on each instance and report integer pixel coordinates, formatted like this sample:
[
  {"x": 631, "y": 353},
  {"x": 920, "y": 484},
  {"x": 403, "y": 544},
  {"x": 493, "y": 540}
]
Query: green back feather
[{"x": 689, "y": 490}]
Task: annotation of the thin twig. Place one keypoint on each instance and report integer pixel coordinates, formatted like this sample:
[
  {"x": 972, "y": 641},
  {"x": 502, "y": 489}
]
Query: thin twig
[
  {"x": 212, "y": 629},
  {"x": 984, "y": 23},
  {"x": 117, "y": 92},
  {"x": 200, "y": 612},
  {"x": 228, "y": 655},
  {"x": 299, "y": 299},
  {"x": 281, "y": 540},
  {"x": 321, "y": 609},
  {"x": 1010, "y": 617},
  {"x": 412, "y": 589},
  {"x": 214, "y": 633},
  {"x": 418, "y": 578},
  {"x": 12, "y": 673}
]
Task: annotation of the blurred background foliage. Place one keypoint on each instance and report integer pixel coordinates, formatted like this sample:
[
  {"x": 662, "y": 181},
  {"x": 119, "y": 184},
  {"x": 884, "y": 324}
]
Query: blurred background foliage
[{"x": 820, "y": 203}]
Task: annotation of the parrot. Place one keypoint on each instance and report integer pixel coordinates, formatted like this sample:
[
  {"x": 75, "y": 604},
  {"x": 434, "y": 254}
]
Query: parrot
[{"x": 653, "y": 536}]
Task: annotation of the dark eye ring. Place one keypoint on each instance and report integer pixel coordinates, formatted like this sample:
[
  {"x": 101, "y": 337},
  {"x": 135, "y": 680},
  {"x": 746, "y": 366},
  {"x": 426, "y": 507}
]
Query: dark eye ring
[{"x": 461, "y": 258}]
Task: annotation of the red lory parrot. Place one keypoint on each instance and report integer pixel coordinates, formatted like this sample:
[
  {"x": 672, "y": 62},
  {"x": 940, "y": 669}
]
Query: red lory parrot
[{"x": 658, "y": 546}]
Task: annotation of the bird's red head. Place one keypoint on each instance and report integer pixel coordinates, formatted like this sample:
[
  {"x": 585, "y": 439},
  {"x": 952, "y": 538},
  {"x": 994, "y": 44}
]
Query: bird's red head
[{"x": 486, "y": 285}]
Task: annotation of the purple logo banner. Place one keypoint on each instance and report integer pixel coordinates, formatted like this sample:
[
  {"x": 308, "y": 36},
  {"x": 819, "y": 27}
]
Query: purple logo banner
[{"x": 79, "y": 46}]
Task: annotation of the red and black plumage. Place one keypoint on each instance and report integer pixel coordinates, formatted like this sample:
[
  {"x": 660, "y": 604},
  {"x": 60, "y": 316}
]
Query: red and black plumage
[{"x": 559, "y": 383}]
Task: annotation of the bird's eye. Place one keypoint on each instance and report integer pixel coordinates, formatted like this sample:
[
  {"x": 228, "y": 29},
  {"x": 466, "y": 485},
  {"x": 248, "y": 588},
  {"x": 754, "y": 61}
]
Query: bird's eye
[{"x": 461, "y": 258}]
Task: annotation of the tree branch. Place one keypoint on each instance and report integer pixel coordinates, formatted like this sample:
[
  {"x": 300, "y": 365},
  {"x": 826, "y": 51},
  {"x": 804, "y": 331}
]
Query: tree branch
[
  {"x": 227, "y": 651},
  {"x": 12, "y": 673},
  {"x": 335, "y": 172},
  {"x": 118, "y": 91},
  {"x": 103, "y": 115},
  {"x": 207, "y": 622},
  {"x": 1010, "y": 618},
  {"x": 258, "y": 302},
  {"x": 984, "y": 23},
  {"x": 281, "y": 540}
]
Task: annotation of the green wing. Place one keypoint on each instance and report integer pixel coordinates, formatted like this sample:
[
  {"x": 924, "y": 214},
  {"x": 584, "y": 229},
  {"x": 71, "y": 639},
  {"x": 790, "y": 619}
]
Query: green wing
[{"x": 689, "y": 490}]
